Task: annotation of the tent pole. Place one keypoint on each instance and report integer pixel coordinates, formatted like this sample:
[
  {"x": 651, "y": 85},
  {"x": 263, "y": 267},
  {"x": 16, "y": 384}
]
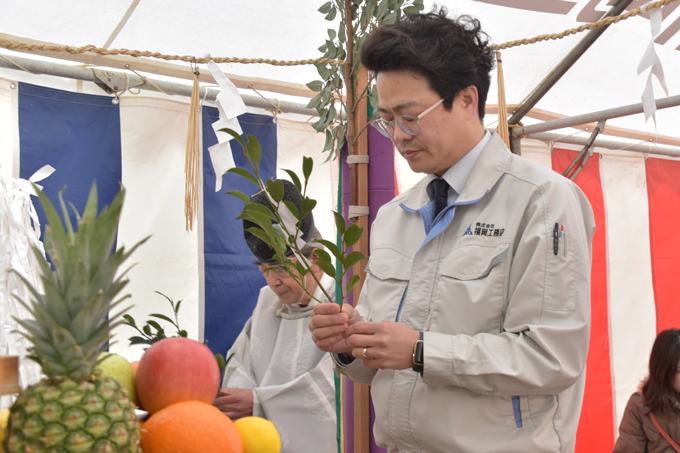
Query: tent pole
[
  {"x": 646, "y": 148},
  {"x": 565, "y": 64},
  {"x": 606, "y": 114},
  {"x": 135, "y": 81}
]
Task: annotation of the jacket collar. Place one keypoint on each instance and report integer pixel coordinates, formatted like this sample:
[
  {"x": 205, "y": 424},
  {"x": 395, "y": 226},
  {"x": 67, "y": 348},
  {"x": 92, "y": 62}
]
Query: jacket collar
[{"x": 492, "y": 163}]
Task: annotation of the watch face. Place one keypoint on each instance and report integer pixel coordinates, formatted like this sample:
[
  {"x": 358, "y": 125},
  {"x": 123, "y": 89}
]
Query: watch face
[{"x": 419, "y": 353}]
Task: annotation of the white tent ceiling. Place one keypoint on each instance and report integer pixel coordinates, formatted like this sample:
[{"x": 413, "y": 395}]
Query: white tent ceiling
[{"x": 604, "y": 77}]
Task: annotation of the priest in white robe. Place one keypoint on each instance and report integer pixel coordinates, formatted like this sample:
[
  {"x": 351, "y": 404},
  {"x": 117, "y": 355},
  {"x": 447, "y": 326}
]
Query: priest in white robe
[{"x": 276, "y": 371}]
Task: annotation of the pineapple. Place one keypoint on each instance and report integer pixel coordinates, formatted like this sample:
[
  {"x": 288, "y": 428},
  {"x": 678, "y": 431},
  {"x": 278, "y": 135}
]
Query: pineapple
[{"x": 75, "y": 408}]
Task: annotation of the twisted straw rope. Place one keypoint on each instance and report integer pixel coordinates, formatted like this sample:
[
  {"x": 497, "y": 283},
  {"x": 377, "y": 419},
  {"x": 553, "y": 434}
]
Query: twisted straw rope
[
  {"x": 591, "y": 26},
  {"x": 13, "y": 45}
]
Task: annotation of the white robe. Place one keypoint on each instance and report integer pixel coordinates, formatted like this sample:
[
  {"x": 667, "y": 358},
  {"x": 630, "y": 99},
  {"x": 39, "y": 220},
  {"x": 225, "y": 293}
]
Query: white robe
[{"x": 291, "y": 379}]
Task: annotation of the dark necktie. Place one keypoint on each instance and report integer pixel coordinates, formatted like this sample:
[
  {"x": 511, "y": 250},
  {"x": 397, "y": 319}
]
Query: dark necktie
[{"x": 440, "y": 190}]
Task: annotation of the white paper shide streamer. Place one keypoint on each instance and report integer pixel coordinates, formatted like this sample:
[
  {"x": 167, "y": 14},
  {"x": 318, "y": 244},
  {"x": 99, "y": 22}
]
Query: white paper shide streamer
[
  {"x": 651, "y": 60},
  {"x": 19, "y": 232},
  {"x": 230, "y": 105}
]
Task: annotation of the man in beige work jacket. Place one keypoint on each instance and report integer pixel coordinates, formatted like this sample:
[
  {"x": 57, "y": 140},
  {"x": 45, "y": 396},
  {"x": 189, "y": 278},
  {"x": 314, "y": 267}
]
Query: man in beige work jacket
[{"x": 473, "y": 323}]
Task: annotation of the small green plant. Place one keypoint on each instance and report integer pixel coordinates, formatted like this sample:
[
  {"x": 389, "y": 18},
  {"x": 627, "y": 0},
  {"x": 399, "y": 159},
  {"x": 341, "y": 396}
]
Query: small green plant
[
  {"x": 152, "y": 331},
  {"x": 280, "y": 235}
]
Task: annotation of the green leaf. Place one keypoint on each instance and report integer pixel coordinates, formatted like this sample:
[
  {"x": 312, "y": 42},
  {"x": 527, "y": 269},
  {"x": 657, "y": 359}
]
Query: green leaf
[
  {"x": 331, "y": 14},
  {"x": 262, "y": 209},
  {"x": 293, "y": 209},
  {"x": 260, "y": 233},
  {"x": 329, "y": 139},
  {"x": 182, "y": 333},
  {"x": 331, "y": 34},
  {"x": 307, "y": 205},
  {"x": 339, "y": 222},
  {"x": 325, "y": 8},
  {"x": 254, "y": 150},
  {"x": 220, "y": 361},
  {"x": 155, "y": 325},
  {"x": 245, "y": 174},
  {"x": 333, "y": 249},
  {"x": 140, "y": 340},
  {"x": 352, "y": 235},
  {"x": 352, "y": 282},
  {"x": 323, "y": 70},
  {"x": 255, "y": 217},
  {"x": 302, "y": 270},
  {"x": 307, "y": 165},
  {"x": 130, "y": 320},
  {"x": 234, "y": 134},
  {"x": 353, "y": 258},
  {"x": 275, "y": 189},
  {"x": 315, "y": 85},
  {"x": 323, "y": 255},
  {"x": 295, "y": 179},
  {"x": 239, "y": 195},
  {"x": 163, "y": 317},
  {"x": 327, "y": 267}
]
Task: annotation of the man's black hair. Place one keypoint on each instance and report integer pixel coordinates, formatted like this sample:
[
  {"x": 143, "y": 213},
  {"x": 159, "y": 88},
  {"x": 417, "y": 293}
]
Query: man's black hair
[{"x": 451, "y": 54}]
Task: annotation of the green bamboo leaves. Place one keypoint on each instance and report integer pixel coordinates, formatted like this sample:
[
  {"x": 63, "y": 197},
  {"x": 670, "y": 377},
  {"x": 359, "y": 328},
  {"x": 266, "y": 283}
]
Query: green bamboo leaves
[
  {"x": 279, "y": 233},
  {"x": 366, "y": 15}
]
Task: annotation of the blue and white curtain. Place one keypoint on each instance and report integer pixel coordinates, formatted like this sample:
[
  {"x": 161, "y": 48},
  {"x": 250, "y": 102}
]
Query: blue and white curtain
[{"x": 140, "y": 143}]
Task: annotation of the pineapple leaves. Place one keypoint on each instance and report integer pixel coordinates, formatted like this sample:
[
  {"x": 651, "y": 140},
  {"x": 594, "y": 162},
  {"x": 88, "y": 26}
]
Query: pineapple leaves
[{"x": 72, "y": 318}]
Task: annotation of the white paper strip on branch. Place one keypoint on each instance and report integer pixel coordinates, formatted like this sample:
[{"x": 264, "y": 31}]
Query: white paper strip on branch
[
  {"x": 230, "y": 106},
  {"x": 651, "y": 60}
]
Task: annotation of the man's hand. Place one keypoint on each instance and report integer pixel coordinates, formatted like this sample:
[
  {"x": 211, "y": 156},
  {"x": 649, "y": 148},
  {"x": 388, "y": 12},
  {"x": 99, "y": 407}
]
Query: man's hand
[
  {"x": 234, "y": 402},
  {"x": 328, "y": 325},
  {"x": 387, "y": 344}
]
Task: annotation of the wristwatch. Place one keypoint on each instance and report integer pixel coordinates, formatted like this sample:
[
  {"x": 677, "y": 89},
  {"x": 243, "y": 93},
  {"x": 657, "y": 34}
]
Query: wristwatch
[{"x": 418, "y": 355}]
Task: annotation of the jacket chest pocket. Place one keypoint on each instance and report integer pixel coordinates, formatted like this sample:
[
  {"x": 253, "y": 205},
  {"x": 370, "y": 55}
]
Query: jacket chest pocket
[
  {"x": 388, "y": 275},
  {"x": 470, "y": 294}
]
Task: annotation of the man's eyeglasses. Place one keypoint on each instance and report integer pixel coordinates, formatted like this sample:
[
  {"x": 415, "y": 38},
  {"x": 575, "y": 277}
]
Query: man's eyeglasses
[{"x": 407, "y": 123}]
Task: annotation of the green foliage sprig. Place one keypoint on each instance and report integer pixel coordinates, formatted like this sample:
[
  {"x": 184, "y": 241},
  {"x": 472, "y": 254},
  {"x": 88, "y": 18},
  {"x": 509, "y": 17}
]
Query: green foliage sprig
[
  {"x": 366, "y": 16},
  {"x": 152, "y": 331},
  {"x": 279, "y": 237}
]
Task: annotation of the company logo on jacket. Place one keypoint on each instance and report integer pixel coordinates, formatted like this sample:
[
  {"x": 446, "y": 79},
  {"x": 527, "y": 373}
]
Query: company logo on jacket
[{"x": 484, "y": 229}]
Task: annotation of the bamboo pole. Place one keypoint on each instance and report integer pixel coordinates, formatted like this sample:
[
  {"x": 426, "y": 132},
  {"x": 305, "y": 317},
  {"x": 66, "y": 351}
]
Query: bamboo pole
[{"x": 357, "y": 144}]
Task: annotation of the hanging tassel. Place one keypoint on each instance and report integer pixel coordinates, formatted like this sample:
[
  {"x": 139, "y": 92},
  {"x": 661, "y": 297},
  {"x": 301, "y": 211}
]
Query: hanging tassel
[
  {"x": 193, "y": 157},
  {"x": 502, "y": 113}
]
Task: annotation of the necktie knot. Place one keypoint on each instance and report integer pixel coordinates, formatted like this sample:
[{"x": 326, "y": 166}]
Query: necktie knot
[{"x": 440, "y": 189}]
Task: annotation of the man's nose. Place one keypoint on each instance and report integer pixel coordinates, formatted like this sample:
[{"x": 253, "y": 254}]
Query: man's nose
[{"x": 400, "y": 135}]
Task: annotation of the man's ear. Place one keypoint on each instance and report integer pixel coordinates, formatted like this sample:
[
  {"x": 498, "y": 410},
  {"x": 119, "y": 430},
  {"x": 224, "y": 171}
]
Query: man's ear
[{"x": 469, "y": 99}]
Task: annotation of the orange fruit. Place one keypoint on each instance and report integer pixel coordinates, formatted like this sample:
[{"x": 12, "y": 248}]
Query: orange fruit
[{"x": 190, "y": 427}]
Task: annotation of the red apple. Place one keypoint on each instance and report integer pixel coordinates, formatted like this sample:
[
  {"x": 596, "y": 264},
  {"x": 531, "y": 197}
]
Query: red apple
[{"x": 174, "y": 370}]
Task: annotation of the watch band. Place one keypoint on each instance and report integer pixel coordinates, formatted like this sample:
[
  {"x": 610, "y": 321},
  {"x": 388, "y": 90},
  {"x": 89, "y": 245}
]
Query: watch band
[{"x": 418, "y": 355}]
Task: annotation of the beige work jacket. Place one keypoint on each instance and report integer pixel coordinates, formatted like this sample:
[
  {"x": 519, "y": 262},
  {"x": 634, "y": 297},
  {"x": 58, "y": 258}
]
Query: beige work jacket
[{"x": 505, "y": 306}]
